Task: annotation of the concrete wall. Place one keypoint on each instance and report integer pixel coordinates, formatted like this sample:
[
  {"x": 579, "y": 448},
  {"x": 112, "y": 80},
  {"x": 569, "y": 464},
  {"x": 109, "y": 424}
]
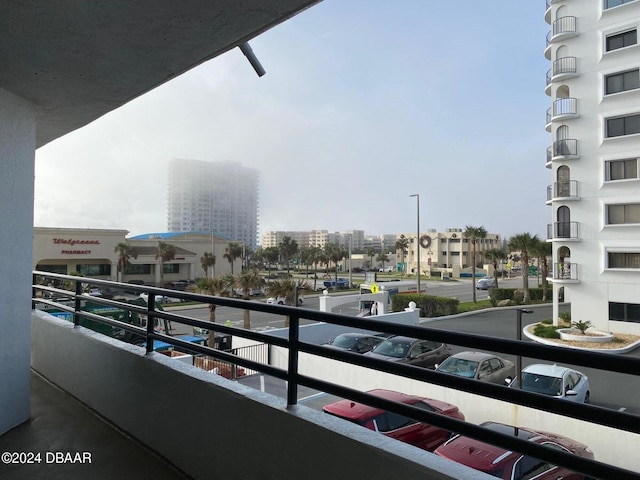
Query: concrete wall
[
  {"x": 211, "y": 427},
  {"x": 17, "y": 147}
]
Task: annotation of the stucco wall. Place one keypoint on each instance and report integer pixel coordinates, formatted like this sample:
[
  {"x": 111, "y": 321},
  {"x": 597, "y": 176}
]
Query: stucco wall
[
  {"x": 211, "y": 427},
  {"x": 17, "y": 147}
]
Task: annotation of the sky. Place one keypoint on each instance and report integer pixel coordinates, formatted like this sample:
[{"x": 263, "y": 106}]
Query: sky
[{"x": 364, "y": 103}]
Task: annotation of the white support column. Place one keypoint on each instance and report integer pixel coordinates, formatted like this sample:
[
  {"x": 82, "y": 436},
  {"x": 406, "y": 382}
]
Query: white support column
[{"x": 17, "y": 157}]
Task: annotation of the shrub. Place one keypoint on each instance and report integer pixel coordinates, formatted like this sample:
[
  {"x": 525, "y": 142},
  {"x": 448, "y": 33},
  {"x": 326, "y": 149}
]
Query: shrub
[
  {"x": 581, "y": 325},
  {"x": 498, "y": 294},
  {"x": 547, "y": 321},
  {"x": 429, "y": 305},
  {"x": 518, "y": 297},
  {"x": 546, "y": 331},
  {"x": 565, "y": 316}
]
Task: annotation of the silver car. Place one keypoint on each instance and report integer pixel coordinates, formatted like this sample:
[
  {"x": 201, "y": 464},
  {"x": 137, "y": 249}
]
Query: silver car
[
  {"x": 555, "y": 381},
  {"x": 479, "y": 366}
]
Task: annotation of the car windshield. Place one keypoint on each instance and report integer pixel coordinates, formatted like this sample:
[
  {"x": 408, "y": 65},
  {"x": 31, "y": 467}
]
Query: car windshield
[
  {"x": 393, "y": 348},
  {"x": 343, "y": 341},
  {"x": 542, "y": 384},
  {"x": 459, "y": 366}
]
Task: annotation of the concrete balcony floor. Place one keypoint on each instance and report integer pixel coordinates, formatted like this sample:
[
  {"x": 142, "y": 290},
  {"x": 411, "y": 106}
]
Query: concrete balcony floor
[{"x": 60, "y": 423}]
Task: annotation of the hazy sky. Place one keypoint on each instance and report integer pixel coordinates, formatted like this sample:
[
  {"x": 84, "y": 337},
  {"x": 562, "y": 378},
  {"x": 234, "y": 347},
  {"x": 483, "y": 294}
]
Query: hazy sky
[{"x": 363, "y": 104}]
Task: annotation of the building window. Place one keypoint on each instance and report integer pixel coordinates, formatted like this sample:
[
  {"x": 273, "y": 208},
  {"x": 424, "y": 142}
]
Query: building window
[
  {"x": 620, "y": 82},
  {"x": 621, "y": 40},
  {"x": 61, "y": 269},
  {"x": 623, "y": 213},
  {"x": 171, "y": 268},
  {"x": 624, "y": 312},
  {"x": 623, "y": 260},
  {"x": 615, "y": 3},
  {"x": 620, "y": 126},
  {"x": 94, "y": 270},
  {"x": 621, "y": 169},
  {"x": 138, "y": 269}
]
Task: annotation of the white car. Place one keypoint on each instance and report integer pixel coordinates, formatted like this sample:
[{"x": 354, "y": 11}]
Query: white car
[
  {"x": 555, "y": 381},
  {"x": 160, "y": 298},
  {"x": 281, "y": 300},
  {"x": 486, "y": 283}
]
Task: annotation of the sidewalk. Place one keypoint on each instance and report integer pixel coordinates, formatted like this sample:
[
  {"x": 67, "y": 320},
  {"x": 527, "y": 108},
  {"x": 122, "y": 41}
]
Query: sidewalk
[{"x": 69, "y": 441}]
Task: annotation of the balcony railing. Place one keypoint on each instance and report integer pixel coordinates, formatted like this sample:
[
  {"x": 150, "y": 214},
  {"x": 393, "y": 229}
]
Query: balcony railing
[
  {"x": 76, "y": 306},
  {"x": 565, "y": 148},
  {"x": 566, "y": 189},
  {"x": 564, "y": 27},
  {"x": 565, "y": 271},
  {"x": 564, "y": 107},
  {"x": 564, "y": 67},
  {"x": 562, "y": 230},
  {"x": 549, "y": 157}
]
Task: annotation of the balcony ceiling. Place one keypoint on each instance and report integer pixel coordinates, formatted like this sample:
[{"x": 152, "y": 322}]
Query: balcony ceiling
[{"x": 76, "y": 60}]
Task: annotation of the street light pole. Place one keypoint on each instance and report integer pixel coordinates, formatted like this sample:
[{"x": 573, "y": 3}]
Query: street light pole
[{"x": 418, "y": 232}]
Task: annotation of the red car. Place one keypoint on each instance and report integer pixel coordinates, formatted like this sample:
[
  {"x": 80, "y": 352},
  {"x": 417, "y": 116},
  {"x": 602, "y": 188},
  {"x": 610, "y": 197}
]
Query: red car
[
  {"x": 396, "y": 426},
  {"x": 505, "y": 464}
]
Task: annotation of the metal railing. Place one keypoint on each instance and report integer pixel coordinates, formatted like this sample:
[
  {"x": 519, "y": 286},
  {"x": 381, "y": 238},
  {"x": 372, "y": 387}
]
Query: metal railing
[
  {"x": 559, "y": 230},
  {"x": 563, "y": 189},
  {"x": 565, "y": 271},
  {"x": 565, "y": 148},
  {"x": 564, "y": 65},
  {"x": 564, "y": 25},
  {"x": 564, "y": 106},
  {"x": 589, "y": 413}
]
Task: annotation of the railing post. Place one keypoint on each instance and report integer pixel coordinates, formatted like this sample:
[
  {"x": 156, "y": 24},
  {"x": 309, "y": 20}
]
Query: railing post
[
  {"x": 292, "y": 374},
  {"x": 77, "y": 303},
  {"x": 151, "y": 320}
]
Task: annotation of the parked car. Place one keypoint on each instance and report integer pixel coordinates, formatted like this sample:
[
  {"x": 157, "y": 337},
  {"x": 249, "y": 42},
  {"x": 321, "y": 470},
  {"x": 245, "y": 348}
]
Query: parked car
[
  {"x": 253, "y": 292},
  {"x": 555, "y": 381},
  {"x": 396, "y": 426},
  {"x": 355, "y": 342},
  {"x": 342, "y": 283},
  {"x": 486, "y": 283},
  {"x": 479, "y": 366},
  {"x": 281, "y": 300},
  {"x": 421, "y": 353},
  {"x": 386, "y": 270},
  {"x": 160, "y": 298},
  {"x": 505, "y": 464}
]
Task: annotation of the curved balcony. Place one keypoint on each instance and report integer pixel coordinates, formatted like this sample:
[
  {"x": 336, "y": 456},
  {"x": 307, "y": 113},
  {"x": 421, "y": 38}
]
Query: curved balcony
[
  {"x": 565, "y": 273},
  {"x": 547, "y": 12},
  {"x": 549, "y": 157},
  {"x": 563, "y": 28},
  {"x": 547, "y": 85},
  {"x": 565, "y": 190},
  {"x": 547, "y": 127},
  {"x": 566, "y": 149},
  {"x": 563, "y": 68},
  {"x": 564, "y": 108},
  {"x": 563, "y": 231},
  {"x": 547, "y": 48}
]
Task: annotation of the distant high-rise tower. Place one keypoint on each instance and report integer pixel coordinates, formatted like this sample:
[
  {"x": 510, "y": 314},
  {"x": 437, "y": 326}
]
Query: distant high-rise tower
[{"x": 213, "y": 196}]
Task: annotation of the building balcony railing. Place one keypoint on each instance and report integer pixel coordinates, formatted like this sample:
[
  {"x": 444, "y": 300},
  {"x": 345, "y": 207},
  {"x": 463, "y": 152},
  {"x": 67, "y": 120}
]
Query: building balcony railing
[
  {"x": 549, "y": 157},
  {"x": 547, "y": 48},
  {"x": 565, "y": 272},
  {"x": 563, "y": 68},
  {"x": 562, "y": 109},
  {"x": 547, "y": 84},
  {"x": 563, "y": 28},
  {"x": 547, "y": 11},
  {"x": 563, "y": 190},
  {"x": 565, "y": 149},
  {"x": 566, "y": 231},
  {"x": 78, "y": 312}
]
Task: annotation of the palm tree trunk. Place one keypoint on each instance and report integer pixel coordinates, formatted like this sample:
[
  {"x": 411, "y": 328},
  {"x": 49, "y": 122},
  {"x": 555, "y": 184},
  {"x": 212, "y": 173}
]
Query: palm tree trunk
[
  {"x": 525, "y": 278},
  {"x": 212, "y": 319},
  {"x": 473, "y": 269}
]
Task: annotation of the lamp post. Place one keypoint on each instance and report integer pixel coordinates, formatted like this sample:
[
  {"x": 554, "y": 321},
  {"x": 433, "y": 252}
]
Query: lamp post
[{"x": 418, "y": 231}]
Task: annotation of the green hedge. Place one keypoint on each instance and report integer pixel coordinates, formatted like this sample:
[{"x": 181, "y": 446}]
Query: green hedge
[
  {"x": 430, "y": 305},
  {"x": 498, "y": 294}
]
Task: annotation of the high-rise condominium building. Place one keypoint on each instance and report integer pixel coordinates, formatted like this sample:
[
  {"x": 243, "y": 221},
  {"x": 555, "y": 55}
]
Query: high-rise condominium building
[
  {"x": 214, "y": 196},
  {"x": 594, "y": 121}
]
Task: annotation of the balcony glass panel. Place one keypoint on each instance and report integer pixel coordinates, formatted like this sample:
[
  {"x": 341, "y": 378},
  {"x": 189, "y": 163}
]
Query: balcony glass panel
[
  {"x": 565, "y": 148},
  {"x": 562, "y": 230}
]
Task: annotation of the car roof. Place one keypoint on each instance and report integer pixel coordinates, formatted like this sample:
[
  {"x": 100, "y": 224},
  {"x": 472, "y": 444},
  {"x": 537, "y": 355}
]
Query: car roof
[
  {"x": 475, "y": 356},
  {"x": 547, "y": 370},
  {"x": 400, "y": 338},
  {"x": 355, "y": 335},
  {"x": 484, "y": 456},
  {"x": 353, "y": 410}
]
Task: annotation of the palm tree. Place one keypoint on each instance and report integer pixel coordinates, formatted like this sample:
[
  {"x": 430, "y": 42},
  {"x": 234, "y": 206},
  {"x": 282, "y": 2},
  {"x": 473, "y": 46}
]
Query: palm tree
[
  {"x": 370, "y": 252},
  {"x": 288, "y": 249},
  {"x": 248, "y": 280},
  {"x": 207, "y": 260},
  {"x": 402, "y": 244},
  {"x": 231, "y": 252},
  {"x": 286, "y": 289},
  {"x": 542, "y": 251},
  {"x": 271, "y": 255},
  {"x": 220, "y": 287},
  {"x": 525, "y": 243},
  {"x": 382, "y": 257},
  {"x": 166, "y": 253},
  {"x": 125, "y": 252},
  {"x": 335, "y": 253},
  {"x": 315, "y": 256},
  {"x": 494, "y": 255},
  {"x": 474, "y": 233}
]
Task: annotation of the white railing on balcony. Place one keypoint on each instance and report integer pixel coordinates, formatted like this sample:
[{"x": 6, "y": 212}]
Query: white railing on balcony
[
  {"x": 562, "y": 190},
  {"x": 562, "y": 230},
  {"x": 565, "y": 271}
]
